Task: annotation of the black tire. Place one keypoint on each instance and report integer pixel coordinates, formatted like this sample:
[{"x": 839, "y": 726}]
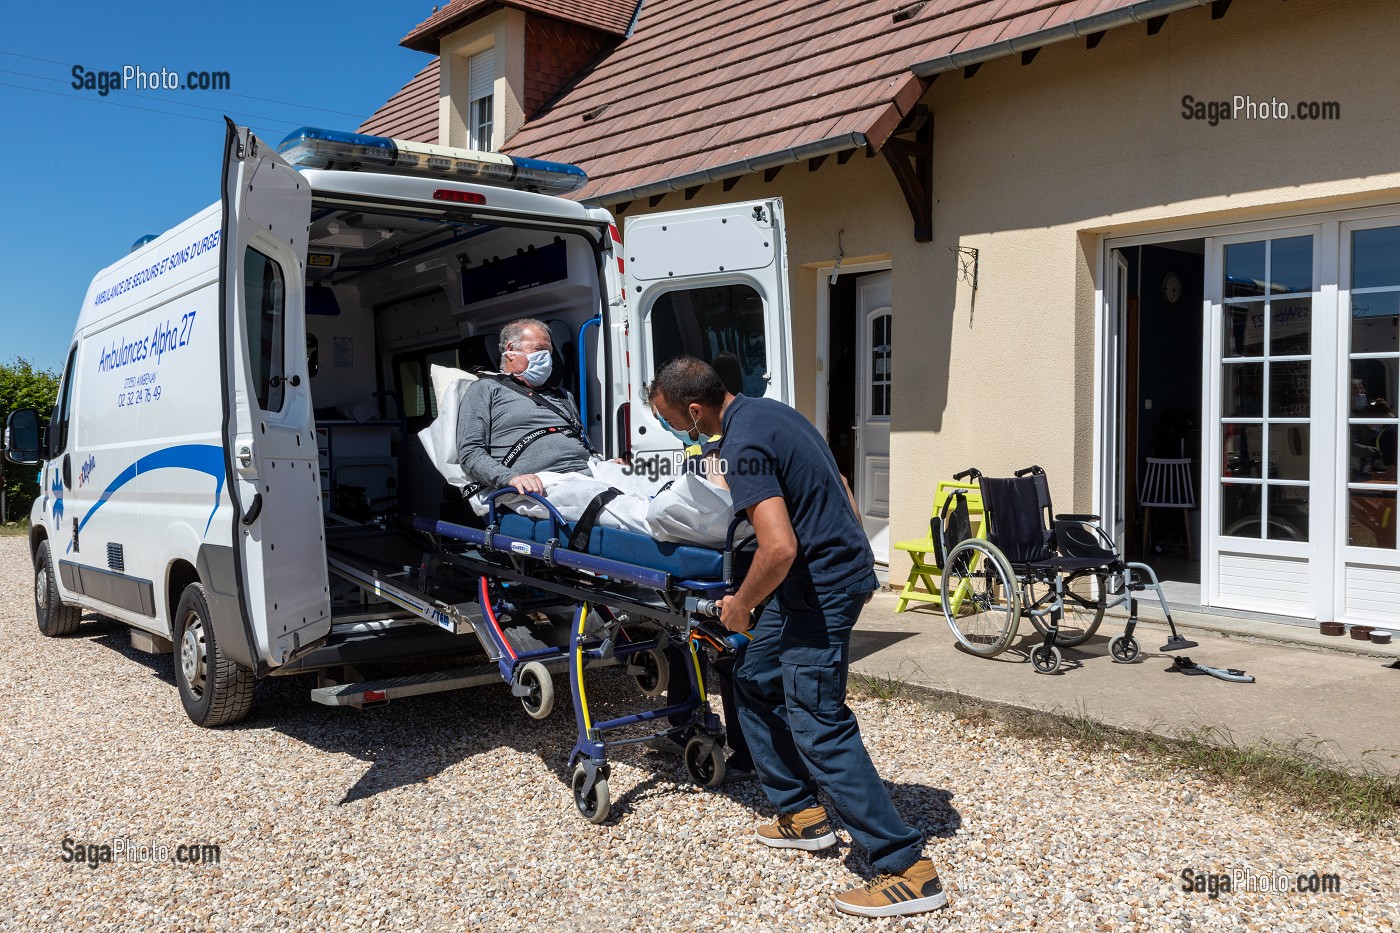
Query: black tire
[
  {"x": 539, "y": 702},
  {"x": 1045, "y": 660},
  {"x": 214, "y": 690},
  {"x": 1123, "y": 649},
  {"x": 55, "y": 619},
  {"x": 1082, "y": 615},
  {"x": 594, "y": 805},
  {"x": 704, "y": 761},
  {"x": 656, "y": 672},
  {"x": 979, "y": 579}
]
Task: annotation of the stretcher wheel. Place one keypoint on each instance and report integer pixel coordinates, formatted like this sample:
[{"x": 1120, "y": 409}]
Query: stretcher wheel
[
  {"x": 593, "y": 806},
  {"x": 1124, "y": 649},
  {"x": 704, "y": 761},
  {"x": 539, "y": 702},
  {"x": 655, "y": 675},
  {"x": 1045, "y": 659}
]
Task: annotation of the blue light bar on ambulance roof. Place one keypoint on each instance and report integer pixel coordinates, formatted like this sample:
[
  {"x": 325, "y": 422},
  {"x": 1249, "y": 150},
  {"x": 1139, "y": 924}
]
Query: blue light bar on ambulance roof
[{"x": 309, "y": 147}]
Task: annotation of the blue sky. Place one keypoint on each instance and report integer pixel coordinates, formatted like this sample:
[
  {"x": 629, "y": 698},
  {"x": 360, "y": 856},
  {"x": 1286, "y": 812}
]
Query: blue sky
[{"x": 84, "y": 176}]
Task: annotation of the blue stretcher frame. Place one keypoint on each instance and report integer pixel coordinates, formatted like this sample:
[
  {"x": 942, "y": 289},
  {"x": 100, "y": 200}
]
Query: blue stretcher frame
[{"x": 597, "y": 586}]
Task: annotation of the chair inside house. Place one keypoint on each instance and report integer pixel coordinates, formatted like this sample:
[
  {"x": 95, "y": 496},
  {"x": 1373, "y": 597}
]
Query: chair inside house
[
  {"x": 925, "y": 573},
  {"x": 1166, "y": 484}
]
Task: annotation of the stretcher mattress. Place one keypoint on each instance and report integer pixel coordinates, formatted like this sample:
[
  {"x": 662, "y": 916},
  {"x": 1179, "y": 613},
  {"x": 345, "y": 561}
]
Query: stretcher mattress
[{"x": 682, "y": 561}]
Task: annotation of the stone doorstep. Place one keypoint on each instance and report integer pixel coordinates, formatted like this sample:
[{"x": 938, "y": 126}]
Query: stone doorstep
[{"x": 1264, "y": 629}]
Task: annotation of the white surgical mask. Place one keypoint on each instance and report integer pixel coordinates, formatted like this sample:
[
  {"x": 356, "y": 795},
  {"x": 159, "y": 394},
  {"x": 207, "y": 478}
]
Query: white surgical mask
[{"x": 541, "y": 364}]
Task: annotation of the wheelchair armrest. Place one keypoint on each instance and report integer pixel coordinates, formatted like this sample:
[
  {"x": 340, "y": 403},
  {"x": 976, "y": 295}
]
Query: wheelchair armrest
[{"x": 1076, "y": 517}]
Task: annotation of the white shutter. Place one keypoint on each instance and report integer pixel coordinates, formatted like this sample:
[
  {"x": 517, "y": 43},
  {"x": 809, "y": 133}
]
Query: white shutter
[{"x": 481, "y": 75}]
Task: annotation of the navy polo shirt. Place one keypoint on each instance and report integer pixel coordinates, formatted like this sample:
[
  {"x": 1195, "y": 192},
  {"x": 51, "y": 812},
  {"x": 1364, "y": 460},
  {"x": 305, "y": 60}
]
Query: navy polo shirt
[{"x": 769, "y": 449}]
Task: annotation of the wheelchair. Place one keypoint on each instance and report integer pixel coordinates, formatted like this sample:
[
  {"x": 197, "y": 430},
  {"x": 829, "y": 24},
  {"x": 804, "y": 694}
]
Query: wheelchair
[{"x": 1062, "y": 571}]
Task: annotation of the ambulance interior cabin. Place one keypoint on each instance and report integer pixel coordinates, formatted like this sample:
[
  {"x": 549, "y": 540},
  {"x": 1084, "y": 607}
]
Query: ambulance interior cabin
[{"x": 388, "y": 296}]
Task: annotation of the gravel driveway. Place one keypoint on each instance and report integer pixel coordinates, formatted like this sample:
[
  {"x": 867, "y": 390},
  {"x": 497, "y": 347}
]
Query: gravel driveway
[{"x": 451, "y": 812}]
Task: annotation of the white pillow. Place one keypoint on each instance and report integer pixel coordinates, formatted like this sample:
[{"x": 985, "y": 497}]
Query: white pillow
[{"x": 440, "y": 438}]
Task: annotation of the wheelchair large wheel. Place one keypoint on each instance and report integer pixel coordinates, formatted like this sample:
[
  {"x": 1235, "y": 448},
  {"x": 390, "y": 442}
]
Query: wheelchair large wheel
[
  {"x": 1085, "y": 599},
  {"x": 981, "y": 597}
]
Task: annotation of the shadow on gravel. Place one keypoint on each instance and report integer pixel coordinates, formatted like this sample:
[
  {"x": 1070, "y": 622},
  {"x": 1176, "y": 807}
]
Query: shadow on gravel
[{"x": 115, "y": 635}]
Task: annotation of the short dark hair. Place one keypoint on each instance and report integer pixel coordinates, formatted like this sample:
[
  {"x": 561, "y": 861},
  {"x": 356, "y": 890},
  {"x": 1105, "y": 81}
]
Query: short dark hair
[{"x": 687, "y": 380}]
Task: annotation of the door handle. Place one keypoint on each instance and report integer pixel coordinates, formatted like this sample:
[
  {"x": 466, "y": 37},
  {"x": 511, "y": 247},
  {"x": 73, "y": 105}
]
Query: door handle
[
  {"x": 67, "y": 472},
  {"x": 254, "y": 510}
]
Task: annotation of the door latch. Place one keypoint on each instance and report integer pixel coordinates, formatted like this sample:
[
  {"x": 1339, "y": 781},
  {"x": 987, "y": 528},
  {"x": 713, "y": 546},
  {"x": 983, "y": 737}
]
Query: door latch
[{"x": 245, "y": 457}]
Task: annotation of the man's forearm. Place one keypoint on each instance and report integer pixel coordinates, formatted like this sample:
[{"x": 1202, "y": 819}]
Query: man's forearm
[
  {"x": 766, "y": 572},
  {"x": 482, "y": 467}
]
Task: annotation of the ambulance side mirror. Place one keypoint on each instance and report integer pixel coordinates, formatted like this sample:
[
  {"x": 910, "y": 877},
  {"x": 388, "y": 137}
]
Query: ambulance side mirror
[{"x": 22, "y": 440}]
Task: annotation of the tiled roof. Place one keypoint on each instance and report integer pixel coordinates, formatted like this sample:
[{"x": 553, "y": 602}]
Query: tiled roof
[
  {"x": 412, "y": 113},
  {"x": 707, "y": 89},
  {"x": 610, "y": 16}
]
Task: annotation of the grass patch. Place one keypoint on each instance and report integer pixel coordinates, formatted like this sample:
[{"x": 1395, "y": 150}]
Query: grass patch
[
  {"x": 1293, "y": 775},
  {"x": 15, "y": 529}
]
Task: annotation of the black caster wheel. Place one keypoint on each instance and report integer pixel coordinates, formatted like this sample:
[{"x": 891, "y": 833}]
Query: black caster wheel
[
  {"x": 593, "y": 802},
  {"x": 651, "y": 671},
  {"x": 704, "y": 761},
  {"x": 1045, "y": 660},
  {"x": 1124, "y": 649},
  {"x": 539, "y": 702}
]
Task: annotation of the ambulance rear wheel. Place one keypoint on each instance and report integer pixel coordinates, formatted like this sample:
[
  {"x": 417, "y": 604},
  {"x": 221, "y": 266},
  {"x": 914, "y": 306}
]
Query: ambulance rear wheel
[
  {"x": 55, "y": 619},
  {"x": 539, "y": 702},
  {"x": 215, "y": 691}
]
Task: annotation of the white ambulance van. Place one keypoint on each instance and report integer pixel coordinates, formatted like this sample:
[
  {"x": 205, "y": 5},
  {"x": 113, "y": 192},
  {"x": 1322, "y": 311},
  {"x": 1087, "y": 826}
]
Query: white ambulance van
[{"x": 244, "y": 387}]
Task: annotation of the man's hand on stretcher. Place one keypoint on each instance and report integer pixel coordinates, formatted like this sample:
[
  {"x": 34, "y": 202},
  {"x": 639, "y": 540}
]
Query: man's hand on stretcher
[{"x": 777, "y": 548}]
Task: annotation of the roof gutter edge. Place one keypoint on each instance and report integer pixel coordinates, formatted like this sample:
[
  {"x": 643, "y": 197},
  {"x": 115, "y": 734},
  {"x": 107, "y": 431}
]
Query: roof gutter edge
[
  {"x": 1139, "y": 12},
  {"x": 733, "y": 169}
]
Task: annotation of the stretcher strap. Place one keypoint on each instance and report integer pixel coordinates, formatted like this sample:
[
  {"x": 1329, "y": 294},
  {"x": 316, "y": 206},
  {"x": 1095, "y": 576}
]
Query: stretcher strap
[{"x": 583, "y": 528}]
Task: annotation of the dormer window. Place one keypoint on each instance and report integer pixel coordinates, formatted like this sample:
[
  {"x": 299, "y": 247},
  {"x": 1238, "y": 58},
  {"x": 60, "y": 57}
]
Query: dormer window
[{"x": 481, "y": 85}]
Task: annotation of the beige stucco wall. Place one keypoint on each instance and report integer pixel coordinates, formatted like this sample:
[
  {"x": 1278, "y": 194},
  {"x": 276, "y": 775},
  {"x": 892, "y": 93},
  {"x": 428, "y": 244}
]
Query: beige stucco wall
[
  {"x": 503, "y": 31},
  {"x": 1033, "y": 165}
]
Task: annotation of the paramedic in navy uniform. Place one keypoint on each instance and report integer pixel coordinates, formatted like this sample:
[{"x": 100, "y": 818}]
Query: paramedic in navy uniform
[{"x": 791, "y": 679}]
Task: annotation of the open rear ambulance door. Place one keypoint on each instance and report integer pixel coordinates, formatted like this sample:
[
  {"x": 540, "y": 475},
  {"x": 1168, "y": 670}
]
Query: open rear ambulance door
[
  {"x": 269, "y": 423},
  {"x": 710, "y": 282}
]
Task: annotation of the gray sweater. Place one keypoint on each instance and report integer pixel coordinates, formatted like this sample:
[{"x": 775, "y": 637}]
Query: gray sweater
[{"x": 492, "y": 417}]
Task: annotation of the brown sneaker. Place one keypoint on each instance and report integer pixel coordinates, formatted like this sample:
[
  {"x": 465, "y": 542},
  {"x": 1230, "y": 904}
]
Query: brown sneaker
[
  {"x": 808, "y": 829},
  {"x": 912, "y": 891}
]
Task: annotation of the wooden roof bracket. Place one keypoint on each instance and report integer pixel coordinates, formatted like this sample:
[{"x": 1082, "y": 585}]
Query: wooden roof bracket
[{"x": 909, "y": 153}]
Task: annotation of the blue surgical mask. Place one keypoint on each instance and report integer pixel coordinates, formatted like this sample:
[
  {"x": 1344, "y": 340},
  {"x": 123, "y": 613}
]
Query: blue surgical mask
[
  {"x": 538, "y": 369},
  {"x": 682, "y": 436}
]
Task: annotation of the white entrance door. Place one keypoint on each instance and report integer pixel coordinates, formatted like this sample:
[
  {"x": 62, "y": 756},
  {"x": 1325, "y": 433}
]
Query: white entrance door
[
  {"x": 1112, "y": 427},
  {"x": 873, "y": 380},
  {"x": 1269, "y": 452}
]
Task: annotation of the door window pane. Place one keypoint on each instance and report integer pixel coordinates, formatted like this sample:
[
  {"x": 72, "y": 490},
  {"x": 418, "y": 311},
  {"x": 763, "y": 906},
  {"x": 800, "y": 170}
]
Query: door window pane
[
  {"x": 264, "y": 291},
  {"x": 880, "y": 375},
  {"x": 1372, "y": 455},
  {"x": 1291, "y": 265},
  {"x": 1288, "y": 451},
  {"x": 1373, "y": 389},
  {"x": 1290, "y": 389},
  {"x": 1244, "y": 390},
  {"x": 1241, "y": 511},
  {"x": 1288, "y": 513},
  {"x": 1244, "y": 269},
  {"x": 1375, "y": 258},
  {"x": 1243, "y": 446},
  {"x": 720, "y": 324},
  {"x": 1290, "y": 327},
  {"x": 411, "y": 392},
  {"x": 1375, "y": 322},
  {"x": 1371, "y": 518},
  {"x": 1244, "y": 329}
]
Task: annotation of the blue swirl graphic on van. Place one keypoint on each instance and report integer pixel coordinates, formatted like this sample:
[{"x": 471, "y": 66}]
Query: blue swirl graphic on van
[
  {"x": 202, "y": 458},
  {"x": 57, "y": 497}
]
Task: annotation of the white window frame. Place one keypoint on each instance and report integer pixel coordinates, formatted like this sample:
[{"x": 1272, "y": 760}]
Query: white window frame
[{"x": 481, "y": 89}]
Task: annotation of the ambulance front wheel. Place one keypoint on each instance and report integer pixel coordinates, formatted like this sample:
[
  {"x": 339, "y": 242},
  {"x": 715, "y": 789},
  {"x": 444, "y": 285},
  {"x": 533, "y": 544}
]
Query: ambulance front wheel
[
  {"x": 539, "y": 702},
  {"x": 215, "y": 691},
  {"x": 55, "y": 619}
]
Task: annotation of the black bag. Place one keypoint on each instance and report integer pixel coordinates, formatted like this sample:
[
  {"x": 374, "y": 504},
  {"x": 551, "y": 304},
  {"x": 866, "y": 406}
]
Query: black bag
[{"x": 950, "y": 527}]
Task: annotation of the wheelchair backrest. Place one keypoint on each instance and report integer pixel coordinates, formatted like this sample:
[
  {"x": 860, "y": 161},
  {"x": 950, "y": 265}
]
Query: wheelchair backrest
[{"x": 1018, "y": 510}]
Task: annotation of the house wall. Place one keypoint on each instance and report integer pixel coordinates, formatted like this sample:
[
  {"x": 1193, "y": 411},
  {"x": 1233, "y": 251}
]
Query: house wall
[{"x": 1033, "y": 166}]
